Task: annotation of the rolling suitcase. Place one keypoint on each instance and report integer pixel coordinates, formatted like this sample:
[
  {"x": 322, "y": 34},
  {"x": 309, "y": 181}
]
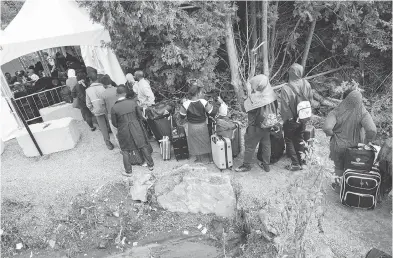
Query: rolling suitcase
[
  {"x": 231, "y": 131},
  {"x": 236, "y": 141},
  {"x": 375, "y": 253},
  {"x": 221, "y": 152},
  {"x": 165, "y": 148},
  {"x": 180, "y": 145},
  {"x": 359, "y": 158},
  {"x": 360, "y": 189}
]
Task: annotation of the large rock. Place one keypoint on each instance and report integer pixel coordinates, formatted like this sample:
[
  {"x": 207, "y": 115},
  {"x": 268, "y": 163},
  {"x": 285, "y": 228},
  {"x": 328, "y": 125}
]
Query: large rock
[
  {"x": 141, "y": 181},
  {"x": 195, "y": 189}
]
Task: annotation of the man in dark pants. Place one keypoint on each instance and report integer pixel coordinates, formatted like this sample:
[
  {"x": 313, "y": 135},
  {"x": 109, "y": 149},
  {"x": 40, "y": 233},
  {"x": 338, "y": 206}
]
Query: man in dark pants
[
  {"x": 256, "y": 133},
  {"x": 126, "y": 116},
  {"x": 293, "y": 129},
  {"x": 79, "y": 91}
]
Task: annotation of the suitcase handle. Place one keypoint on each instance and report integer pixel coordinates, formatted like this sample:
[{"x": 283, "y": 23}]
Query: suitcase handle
[{"x": 364, "y": 146}]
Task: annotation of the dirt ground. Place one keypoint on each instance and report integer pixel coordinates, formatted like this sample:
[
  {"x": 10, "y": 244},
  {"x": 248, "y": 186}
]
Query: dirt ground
[{"x": 52, "y": 182}]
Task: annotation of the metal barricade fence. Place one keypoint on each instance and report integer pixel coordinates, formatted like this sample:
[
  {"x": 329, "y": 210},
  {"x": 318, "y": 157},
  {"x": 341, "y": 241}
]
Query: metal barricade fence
[{"x": 30, "y": 105}]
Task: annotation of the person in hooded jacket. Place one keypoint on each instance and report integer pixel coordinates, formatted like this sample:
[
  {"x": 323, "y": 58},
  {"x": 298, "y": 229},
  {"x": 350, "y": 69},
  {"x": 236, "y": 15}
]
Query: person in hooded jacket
[
  {"x": 96, "y": 104},
  {"x": 347, "y": 125},
  {"x": 293, "y": 129},
  {"x": 256, "y": 131}
]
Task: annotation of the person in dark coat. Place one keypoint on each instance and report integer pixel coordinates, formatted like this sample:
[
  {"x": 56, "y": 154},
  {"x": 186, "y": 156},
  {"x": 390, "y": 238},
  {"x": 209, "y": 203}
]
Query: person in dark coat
[
  {"x": 348, "y": 125},
  {"x": 79, "y": 91},
  {"x": 126, "y": 116}
]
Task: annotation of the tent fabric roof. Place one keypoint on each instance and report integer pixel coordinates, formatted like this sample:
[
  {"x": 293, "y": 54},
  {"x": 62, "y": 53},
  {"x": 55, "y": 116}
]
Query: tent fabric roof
[{"x": 42, "y": 24}]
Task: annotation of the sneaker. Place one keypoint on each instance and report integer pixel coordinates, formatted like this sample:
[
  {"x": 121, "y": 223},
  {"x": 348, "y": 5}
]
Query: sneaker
[
  {"x": 93, "y": 128},
  {"x": 265, "y": 167},
  {"x": 144, "y": 164},
  {"x": 243, "y": 168},
  {"x": 151, "y": 168},
  {"x": 109, "y": 145},
  {"x": 128, "y": 174},
  {"x": 293, "y": 167}
]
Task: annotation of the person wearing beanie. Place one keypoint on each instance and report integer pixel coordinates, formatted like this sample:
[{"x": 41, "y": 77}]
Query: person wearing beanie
[
  {"x": 96, "y": 105},
  {"x": 293, "y": 130},
  {"x": 259, "y": 127},
  {"x": 71, "y": 82}
]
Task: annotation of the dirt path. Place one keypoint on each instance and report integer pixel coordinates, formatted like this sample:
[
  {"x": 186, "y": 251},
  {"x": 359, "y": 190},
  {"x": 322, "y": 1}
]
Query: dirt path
[{"x": 52, "y": 182}]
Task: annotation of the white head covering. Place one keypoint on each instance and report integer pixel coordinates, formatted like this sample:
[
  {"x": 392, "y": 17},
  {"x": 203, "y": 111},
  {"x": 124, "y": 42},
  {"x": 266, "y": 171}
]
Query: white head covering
[
  {"x": 130, "y": 77},
  {"x": 71, "y": 73}
]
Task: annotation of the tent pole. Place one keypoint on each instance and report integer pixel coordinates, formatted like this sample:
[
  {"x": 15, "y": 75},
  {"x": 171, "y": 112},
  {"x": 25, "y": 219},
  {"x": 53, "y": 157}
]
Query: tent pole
[
  {"x": 64, "y": 51},
  {"x": 44, "y": 63},
  {"x": 22, "y": 63},
  {"x": 27, "y": 127}
]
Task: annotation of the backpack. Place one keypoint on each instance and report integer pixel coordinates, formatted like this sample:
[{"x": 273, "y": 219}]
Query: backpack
[{"x": 303, "y": 108}]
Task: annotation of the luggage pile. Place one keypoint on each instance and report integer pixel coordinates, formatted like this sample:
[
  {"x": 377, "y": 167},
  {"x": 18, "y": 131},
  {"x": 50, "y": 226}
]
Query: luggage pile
[
  {"x": 361, "y": 179},
  {"x": 225, "y": 142},
  {"x": 166, "y": 133}
]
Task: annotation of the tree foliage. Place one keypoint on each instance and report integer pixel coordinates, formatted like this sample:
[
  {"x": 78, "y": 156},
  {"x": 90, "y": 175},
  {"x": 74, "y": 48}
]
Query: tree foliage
[
  {"x": 172, "y": 45},
  {"x": 9, "y": 9}
]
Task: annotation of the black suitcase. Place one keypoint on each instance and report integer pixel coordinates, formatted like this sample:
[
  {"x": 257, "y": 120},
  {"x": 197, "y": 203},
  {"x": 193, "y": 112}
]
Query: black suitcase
[
  {"x": 375, "y": 253},
  {"x": 179, "y": 142},
  {"x": 236, "y": 141},
  {"x": 160, "y": 127},
  {"x": 277, "y": 147},
  {"x": 360, "y": 189},
  {"x": 358, "y": 158}
]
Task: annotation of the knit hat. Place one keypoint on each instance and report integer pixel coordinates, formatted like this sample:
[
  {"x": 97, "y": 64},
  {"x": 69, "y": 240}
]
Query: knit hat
[{"x": 71, "y": 73}]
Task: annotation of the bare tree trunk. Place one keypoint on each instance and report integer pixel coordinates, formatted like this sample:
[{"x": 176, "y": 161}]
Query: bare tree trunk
[
  {"x": 273, "y": 39},
  {"x": 22, "y": 64},
  {"x": 265, "y": 5},
  {"x": 308, "y": 43},
  {"x": 254, "y": 36},
  {"x": 233, "y": 60}
]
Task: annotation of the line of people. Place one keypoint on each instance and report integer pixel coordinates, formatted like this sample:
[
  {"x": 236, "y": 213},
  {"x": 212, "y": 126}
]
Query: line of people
[
  {"x": 124, "y": 107},
  {"x": 347, "y": 125},
  {"x": 115, "y": 109}
]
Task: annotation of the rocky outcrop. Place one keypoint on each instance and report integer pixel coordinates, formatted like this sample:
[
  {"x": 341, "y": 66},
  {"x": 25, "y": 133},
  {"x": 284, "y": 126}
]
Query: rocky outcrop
[
  {"x": 140, "y": 182},
  {"x": 194, "y": 189}
]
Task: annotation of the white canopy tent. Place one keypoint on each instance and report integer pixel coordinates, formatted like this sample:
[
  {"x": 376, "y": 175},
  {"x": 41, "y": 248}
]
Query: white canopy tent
[{"x": 43, "y": 24}]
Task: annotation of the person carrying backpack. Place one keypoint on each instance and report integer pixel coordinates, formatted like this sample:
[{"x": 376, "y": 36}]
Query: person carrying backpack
[{"x": 296, "y": 97}]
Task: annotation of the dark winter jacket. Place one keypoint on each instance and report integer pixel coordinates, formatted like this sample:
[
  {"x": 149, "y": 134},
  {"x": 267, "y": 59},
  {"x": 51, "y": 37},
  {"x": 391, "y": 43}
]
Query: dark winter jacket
[
  {"x": 79, "y": 91},
  {"x": 126, "y": 116}
]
